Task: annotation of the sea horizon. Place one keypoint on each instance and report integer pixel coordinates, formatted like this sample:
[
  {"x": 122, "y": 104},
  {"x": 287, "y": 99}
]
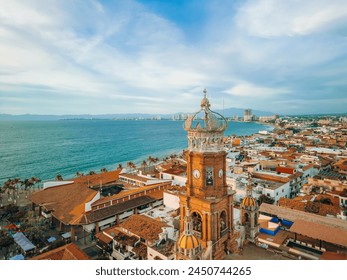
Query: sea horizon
[{"x": 45, "y": 149}]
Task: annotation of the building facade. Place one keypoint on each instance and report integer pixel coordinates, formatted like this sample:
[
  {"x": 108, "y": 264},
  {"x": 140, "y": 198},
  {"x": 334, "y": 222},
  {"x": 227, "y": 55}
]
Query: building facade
[{"x": 206, "y": 199}]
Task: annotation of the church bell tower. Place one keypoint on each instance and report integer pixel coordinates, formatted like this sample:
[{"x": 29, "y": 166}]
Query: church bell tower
[{"x": 210, "y": 204}]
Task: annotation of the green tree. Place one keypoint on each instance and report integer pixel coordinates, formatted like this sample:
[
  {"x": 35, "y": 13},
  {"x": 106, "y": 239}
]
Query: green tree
[
  {"x": 103, "y": 170},
  {"x": 79, "y": 174},
  {"x": 144, "y": 165},
  {"x": 35, "y": 227}
]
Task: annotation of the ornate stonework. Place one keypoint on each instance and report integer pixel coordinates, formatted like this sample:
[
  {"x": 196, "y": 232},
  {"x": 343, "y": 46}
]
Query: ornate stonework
[
  {"x": 207, "y": 200},
  {"x": 205, "y": 129}
]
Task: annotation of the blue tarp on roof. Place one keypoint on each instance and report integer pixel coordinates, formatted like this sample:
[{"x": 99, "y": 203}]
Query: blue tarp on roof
[
  {"x": 17, "y": 257},
  {"x": 66, "y": 235},
  {"x": 23, "y": 241},
  {"x": 51, "y": 239}
]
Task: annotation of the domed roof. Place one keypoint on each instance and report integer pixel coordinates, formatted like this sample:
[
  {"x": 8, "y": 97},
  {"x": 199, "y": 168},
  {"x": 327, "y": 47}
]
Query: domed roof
[
  {"x": 188, "y": 242},
  {"x": 248, "y": 202},
  {"x": 211, "y": 121}
]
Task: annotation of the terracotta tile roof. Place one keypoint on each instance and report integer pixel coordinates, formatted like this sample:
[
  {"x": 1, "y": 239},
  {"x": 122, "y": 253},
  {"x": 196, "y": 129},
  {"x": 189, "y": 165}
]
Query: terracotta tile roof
[
  {"x": 176, "y": 170},
  {"x": 157, "y": 195},
  {"x": 140, "y": 250},
  {"x": 125, "y": 239},
  {"x": 96, "y": 179},
  {"x": 304, "y": 204},
  {"x": 103, "y": 213},
  {"x": 144, "y": 227},
  {"x": 103, "y": 237},
  {"x": 66, "y": 252},
  {"x": 111, "y": 231},
  {"x": 68, "y": 201},
  {"x": 126, "y": 193},
  {"x": 333, "y": 256},
  {"x": 320, "y": 232}
]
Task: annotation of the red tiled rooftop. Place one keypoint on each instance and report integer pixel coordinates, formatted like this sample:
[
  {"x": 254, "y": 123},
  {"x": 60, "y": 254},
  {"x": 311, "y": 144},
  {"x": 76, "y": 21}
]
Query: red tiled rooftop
[
  {"x": 67, "y": 252},
  {"x": 144, "y": 227},
  {"x": 68, "y": 201}
]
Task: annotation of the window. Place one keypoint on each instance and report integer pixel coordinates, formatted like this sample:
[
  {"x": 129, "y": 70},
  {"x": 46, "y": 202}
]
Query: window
[
  {"x": 209, "y": 176},
  {"x": 197, "y": 222}
]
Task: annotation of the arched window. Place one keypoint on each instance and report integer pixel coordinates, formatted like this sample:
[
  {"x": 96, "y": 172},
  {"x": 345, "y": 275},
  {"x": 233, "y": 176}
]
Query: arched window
[
  {"x": 197, "y": 222},
  {"x": 246, "y": 217},
  {"x": 222, "y": 223}
]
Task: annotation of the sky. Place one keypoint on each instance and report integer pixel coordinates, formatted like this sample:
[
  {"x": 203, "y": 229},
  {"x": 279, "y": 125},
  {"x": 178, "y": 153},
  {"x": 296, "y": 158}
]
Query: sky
[{"x": 109, "y": 57}]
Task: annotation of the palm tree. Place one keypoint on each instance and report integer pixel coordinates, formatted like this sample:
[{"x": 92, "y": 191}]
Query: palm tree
[
  {"x": 32, "y": 181},
  {"x": 27, "y": 183},
  {"x": 10, "y": 187},
  {"x": 144, "y": 165},
  {"x": 91, "y": 172},
  {"x": 2, "y": 191},
  {"x": 79, "y": 174},
  {"x": 130, "y": 165},
  {"x": 58, "y": 177},
  {"x": 36, "y": 180},
  {"x": 120, "y": 166},
  {"x": 16, "y": 182},
  {"x": 151, "y": 160},
  {"x": 103, "y": 170}
]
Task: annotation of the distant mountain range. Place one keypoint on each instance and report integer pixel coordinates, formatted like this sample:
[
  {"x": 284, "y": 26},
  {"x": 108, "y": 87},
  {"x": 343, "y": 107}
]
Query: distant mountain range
[{"x": 228, "y": 112}]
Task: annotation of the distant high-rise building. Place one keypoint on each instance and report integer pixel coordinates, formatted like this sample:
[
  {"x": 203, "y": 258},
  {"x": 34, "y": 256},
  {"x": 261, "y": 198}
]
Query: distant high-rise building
[{"x": 247, "y": 117}]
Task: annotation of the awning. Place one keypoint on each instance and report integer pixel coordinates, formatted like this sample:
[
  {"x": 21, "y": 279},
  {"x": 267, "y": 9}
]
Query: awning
[
  {"x": 51, "y": 239},
  {"x": 17, "y": 257},
  {"x": 23, "y": 242},
  {"x": 66, "y": 235}
]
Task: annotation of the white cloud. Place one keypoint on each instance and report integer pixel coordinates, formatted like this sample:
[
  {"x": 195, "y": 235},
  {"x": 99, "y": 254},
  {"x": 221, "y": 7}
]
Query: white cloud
[
  {"x": 112, "y": 53},
  {"x": 250, "y": 90},
  {"x": 266, "y": 18}
]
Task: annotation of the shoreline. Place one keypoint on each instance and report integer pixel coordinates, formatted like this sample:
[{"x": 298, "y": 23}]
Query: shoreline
[{"x": 46, "y": 174}]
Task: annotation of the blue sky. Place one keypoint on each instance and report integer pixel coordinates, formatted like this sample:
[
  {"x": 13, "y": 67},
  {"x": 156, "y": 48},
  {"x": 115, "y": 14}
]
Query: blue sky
[{"x": 97, "y": 57}]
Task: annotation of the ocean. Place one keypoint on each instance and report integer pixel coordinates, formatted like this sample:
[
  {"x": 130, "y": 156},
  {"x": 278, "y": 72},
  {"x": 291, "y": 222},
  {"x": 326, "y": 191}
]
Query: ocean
[{"x": 46, "y": 148}]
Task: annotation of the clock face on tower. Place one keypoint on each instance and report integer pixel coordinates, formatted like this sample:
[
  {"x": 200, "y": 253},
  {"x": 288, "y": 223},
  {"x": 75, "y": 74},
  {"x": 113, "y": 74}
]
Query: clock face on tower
[{"x": 196, "y": 173}]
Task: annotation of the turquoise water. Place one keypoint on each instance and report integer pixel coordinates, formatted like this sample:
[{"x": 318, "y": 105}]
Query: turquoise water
[{"x": 47, "y": 148}]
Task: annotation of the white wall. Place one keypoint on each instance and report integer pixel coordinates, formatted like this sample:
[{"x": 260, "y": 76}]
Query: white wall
[
  {"x": 50, "y": 184},
  {"x": 171, "y": 200},
  {"x": 126, "y": 214},
  {"x": 89, "y": 228},
  {"x": 88, "y": 205},
  {"x": 176, "y": 180}
]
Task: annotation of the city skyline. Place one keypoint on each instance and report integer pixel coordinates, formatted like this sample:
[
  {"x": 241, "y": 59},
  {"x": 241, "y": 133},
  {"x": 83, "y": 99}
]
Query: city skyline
[{"x": 98, "y": 57}]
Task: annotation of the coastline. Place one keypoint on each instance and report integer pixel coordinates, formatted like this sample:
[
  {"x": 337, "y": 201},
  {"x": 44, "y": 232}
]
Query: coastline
[{"x": 51, "y": 148}]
